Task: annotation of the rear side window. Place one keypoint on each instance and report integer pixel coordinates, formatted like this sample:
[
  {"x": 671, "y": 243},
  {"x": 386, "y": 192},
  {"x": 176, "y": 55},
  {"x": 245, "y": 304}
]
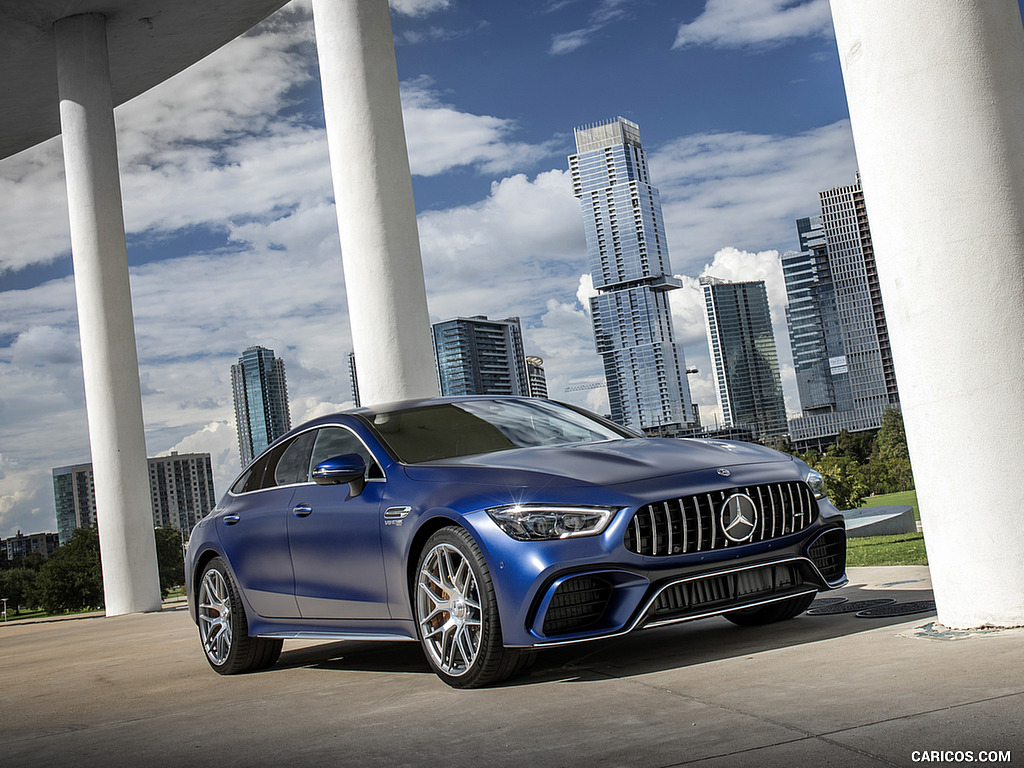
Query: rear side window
[{"x": 293, "y": 466}]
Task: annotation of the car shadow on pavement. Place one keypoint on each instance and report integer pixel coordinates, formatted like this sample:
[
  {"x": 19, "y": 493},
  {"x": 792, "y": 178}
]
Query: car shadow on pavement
[{"x": 638, "y": 653}]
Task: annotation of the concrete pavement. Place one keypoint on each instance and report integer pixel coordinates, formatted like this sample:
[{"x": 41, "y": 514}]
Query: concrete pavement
[{"x": 832, "y": 690}]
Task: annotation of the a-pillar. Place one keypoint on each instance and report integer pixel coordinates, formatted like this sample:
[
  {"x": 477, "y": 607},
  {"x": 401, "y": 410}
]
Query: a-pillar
[
  {"x": 109, "y": 358},
  {"x": 937, "y": 108},
  {"x": 373, "y": 196}
]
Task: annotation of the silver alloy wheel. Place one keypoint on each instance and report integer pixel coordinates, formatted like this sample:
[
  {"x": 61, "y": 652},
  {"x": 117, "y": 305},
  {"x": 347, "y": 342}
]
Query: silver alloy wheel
[
  {"x": 215, "y": 616},
  {"x": 448, "y": 609}
]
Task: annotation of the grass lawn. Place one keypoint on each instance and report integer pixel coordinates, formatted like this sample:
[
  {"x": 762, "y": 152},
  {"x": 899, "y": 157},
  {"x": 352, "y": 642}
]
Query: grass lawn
[
  {"x": 24, "y": 615},
  {"x": 899, "y": 549},
  {"x": 890, "y": 499}
]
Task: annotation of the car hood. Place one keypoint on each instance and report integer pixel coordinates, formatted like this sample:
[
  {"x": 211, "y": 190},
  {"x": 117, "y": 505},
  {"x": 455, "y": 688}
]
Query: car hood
[{"x": 606, "y": 463}]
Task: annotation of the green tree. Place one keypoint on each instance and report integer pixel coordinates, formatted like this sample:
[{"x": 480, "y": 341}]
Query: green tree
[
  {"x": 891, "y": 442},
  {"x": 844, "y": 480},
  {"x": 853, "y": 445},
  {"x": 71, "y": 579},
  {"x": 170, "y": 559},
  {"x": 17, "y": 585}
]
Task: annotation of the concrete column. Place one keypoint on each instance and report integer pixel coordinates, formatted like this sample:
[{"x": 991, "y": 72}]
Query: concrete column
[
  {"x": 934, "y": 89},
  {"x": 109, "y": 358},
  {"x": 380, "y": 250}
]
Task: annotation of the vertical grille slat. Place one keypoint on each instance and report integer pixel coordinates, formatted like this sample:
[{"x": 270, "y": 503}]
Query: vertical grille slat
[{"x": 691, "y": 524}]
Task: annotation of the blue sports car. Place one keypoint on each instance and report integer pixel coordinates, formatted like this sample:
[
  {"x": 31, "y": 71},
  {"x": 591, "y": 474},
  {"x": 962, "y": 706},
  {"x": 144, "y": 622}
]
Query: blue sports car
[{"x": 489, "y": 527}]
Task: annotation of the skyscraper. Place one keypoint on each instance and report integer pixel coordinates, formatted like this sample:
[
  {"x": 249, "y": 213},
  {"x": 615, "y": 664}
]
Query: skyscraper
[
  {"x": 628, "y": 260},
  {"x": 180, "y": 488},
  {"x": 746, "y": 365},
  {"x": 836, "y": 321},
  {"x": 477, "y": 356},
  {"x": 261, "y": 401}
]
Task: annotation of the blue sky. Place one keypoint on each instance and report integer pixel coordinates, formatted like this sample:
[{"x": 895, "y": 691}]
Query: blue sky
[{"x": 233, "y": 241}]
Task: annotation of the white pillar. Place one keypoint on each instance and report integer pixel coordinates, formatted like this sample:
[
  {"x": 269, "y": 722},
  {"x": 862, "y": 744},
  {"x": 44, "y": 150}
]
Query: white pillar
[
  {"x": 109, "y": 359},
  {"x": 380, "y": 250},
  {"x": 937, "y": 107}
]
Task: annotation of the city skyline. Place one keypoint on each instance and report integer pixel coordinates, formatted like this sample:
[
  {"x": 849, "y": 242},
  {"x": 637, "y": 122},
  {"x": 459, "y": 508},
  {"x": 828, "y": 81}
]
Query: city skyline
[{"x": 232, "y": 239}]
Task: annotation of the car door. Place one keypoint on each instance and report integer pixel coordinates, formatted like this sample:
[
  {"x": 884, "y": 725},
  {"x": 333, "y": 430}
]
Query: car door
[
  {"x": 335, "y": 538},
  {"x": 253, "y": 532}
]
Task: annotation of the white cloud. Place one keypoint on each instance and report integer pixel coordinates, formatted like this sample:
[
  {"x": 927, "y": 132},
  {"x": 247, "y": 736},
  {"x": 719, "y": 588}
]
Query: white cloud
[
  {"x": 606, "y": 13},
  {"x": 745, "y": 190},
  {"x": 419, "y": 7},
  {"x": 440, "y": 137},
  {"x": 756, "y": 23}
]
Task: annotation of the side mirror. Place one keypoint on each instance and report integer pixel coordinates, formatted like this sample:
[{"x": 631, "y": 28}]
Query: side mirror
[{"x": 349, "y": 468}]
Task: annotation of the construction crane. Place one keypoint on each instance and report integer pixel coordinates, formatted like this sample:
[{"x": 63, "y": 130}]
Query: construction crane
[{"x": 587, "y": 385}]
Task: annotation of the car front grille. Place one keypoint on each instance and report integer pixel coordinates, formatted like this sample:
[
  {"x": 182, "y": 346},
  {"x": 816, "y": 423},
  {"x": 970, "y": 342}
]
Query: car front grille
[
  {"x": 694, "y": 523},
  {"x": 577, "y": 604},
  {"x": 828, "y": 552},
  {"x": 717, "y": 591}
]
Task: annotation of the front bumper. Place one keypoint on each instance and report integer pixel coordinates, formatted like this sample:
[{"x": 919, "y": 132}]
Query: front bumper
[{"x": 604, "y": 602}]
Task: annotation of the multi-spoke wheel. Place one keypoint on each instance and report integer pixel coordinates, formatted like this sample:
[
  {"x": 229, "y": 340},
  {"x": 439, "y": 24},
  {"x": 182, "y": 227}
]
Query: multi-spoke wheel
[
  {"x": 457, "y": 613},
  {"x": 223, "y": 629}
]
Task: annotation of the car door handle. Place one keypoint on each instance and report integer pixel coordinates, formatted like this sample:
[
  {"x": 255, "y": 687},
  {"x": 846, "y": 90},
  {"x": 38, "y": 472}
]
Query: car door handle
[
  {"x": 302, "y": 510},
  {"x": 231, "y": 519}
]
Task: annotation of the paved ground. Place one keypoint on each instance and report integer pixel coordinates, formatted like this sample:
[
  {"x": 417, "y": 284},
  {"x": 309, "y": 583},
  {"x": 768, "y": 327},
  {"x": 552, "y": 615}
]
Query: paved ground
[{"x": 818, "y": 690}]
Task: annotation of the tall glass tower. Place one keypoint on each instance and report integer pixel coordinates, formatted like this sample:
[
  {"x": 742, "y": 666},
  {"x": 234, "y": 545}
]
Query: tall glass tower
[
  {"x": 261, "y": 401},
  {"x": 628, "y": 259},
  {"x": 743, "y": 352},
  {"x": 837, "y": 325}
]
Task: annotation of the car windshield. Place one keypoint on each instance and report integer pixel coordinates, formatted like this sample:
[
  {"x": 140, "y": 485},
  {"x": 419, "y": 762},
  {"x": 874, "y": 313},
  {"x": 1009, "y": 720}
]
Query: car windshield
[{"x": 466, "y": 427}]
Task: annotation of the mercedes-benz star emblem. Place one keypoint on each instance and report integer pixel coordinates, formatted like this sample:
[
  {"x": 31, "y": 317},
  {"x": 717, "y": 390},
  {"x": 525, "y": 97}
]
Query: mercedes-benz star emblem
[
  {"x": 738, "y": 517},
  {"x": 724, "y": 472}
]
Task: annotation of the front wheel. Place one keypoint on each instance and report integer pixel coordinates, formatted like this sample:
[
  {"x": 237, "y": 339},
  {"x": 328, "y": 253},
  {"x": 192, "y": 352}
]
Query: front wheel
[
  {"x": 457, "y": 614},
  {"x": 771, "y": 612},
  {"x": 223, "y": 629}
]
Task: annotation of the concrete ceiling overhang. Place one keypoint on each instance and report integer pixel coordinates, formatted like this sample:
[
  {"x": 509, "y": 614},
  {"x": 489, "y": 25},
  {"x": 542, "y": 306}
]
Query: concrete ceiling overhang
[{"x": 148, "y": 42}]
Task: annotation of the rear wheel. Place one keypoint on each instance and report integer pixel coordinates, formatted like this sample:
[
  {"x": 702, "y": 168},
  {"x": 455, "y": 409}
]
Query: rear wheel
[
  {"x": 223, "y": 629},
  {"x": 771, "y": 612},
  {"x": 457, "y": 614}
]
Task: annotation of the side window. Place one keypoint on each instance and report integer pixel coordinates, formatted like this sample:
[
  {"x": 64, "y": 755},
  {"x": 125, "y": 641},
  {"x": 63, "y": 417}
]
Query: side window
[
  {"x": 252, "y": 479},
  {"x": 336, "y": 441},
  {"x": 293, "y": 466}
]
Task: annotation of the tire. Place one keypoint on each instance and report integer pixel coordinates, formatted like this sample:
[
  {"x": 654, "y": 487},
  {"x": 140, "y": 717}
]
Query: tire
[
  {"x": 457, "y": 614},
  {"x": 223, "y": 629},
  {"x": 771, "y": 612}
]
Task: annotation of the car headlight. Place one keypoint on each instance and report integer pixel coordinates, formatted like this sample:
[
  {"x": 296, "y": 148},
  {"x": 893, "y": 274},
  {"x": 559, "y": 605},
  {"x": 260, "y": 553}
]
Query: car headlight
[
  {"x": 817, "y": 483},
  {"x": 543, "y": 522}
]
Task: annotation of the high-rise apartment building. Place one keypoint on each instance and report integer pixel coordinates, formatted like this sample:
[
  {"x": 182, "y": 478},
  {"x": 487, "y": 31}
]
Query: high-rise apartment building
[
  {"x": 477, "y": 356},
  {"x": 627, "y": 254},
  {"x": 836, "y": 320},
  {"x": 535, "y": 377},
  {"x": 180, "y": 488},
  {"x": 746, "y": 365},
  {"x": 25, "y": 544},
  {"x": 261, "y": 401}
]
